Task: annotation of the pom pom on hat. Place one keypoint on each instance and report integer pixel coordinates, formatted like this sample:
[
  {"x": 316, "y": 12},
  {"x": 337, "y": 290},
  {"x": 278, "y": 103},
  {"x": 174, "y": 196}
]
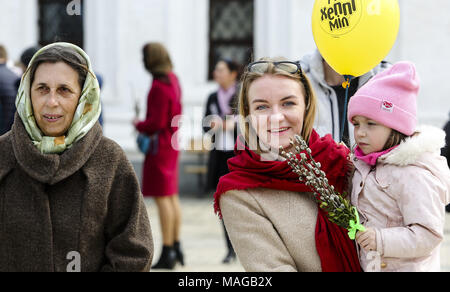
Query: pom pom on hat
[{"x": 389, "y": 98}]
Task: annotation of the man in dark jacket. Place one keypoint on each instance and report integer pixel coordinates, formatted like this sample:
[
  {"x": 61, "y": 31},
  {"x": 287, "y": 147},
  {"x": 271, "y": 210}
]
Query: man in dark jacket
[{"x": 8, "y": 92}]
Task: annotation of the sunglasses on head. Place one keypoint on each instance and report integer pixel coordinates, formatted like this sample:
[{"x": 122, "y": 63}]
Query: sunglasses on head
[{"x": 287, "y": 66}]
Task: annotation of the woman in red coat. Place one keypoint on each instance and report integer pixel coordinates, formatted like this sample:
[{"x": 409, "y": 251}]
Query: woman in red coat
[{"x": 160, "y": 172}]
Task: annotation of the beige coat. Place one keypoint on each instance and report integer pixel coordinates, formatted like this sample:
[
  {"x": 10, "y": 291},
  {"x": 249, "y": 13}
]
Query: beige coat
[
  {"x": 272, "y": 230},
  {"x": 403, "y": 199}
]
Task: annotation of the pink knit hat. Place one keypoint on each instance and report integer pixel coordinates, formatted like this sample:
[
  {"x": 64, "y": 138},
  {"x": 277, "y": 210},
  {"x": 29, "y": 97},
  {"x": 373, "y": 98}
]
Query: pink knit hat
[{"x": 389, "y": 98}]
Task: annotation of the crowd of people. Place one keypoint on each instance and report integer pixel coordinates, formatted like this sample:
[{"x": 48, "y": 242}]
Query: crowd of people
[{"x": 396, "y": 173}]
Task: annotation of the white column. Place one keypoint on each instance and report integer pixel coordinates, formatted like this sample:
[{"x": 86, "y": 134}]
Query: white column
[
  {"x": 301, "y": 34},
  {"x": 424, "y": 40},
  {"x": 283, "y": 28},
  {"x": 187, "y": 40},
  {"x": 18, "y": 26},
  {"x": 101, "y": 38},
  {"x": 271, "y": 28}
]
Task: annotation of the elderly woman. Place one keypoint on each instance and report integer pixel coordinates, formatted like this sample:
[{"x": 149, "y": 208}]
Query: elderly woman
[
  {"x": 272, "y": 220},
  {"x": 69, "y": 198}
]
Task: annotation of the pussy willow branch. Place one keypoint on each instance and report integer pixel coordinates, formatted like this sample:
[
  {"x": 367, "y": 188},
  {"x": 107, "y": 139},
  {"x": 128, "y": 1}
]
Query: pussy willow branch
[{"x": 309, "y": 171}]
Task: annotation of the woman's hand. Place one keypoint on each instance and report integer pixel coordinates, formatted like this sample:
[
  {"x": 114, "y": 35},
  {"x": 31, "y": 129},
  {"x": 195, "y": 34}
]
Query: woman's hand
[
  {"x": 135, "y": 122},
  {"x": 367, "y": 239}
]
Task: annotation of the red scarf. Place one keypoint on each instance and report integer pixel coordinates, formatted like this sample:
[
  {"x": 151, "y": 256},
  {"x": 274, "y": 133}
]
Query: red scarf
[{"x": 336, "y": 251}]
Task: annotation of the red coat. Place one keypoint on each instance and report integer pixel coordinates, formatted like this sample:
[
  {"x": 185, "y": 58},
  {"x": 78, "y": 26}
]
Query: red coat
[{"x": 160, "y": 172}]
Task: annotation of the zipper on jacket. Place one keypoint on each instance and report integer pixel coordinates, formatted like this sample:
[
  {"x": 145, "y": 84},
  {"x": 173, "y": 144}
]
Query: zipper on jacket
[{"x": 332, "y": 114}]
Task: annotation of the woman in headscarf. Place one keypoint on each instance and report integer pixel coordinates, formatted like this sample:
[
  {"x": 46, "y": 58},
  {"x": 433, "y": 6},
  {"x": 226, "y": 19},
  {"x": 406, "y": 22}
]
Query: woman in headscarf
[{"x": 69, "y": 197}]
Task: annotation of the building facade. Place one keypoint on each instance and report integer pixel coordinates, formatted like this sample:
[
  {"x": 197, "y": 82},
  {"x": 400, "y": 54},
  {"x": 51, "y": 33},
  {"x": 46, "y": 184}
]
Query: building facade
[{"x": 196, "y": 32}]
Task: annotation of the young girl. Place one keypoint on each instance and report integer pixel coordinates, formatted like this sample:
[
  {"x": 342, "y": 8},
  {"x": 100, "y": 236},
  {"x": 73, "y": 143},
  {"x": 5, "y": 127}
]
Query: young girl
[{"x": 401, "y": 183}]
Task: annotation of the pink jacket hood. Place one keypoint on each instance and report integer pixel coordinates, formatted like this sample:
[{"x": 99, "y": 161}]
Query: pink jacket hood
[{"x": 418, "y": 150}]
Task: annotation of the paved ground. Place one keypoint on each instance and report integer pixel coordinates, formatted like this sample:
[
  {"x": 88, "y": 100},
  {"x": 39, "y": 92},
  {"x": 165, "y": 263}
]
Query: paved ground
[
  {"x": 204, "y": 244},
  {"x": 202, "y": 237}
]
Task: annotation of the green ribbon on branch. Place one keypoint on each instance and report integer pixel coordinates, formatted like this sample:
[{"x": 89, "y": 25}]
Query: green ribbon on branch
[{"x": 355, "y": 226}]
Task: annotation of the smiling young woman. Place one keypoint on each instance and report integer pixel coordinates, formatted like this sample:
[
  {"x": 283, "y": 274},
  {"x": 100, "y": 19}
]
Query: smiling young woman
[
  {"x": 277, "y": 103},
  {"x": 271, "y": 217},
  {"x": 277, "y": 109}
]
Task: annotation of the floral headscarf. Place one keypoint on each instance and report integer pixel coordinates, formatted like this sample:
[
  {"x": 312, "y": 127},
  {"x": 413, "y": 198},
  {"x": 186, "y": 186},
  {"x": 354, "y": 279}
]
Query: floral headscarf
[{"x": 86, "y": 113}]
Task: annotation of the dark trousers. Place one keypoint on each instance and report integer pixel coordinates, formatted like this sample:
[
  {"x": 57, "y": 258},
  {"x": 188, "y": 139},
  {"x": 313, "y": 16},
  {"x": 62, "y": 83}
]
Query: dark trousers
[{"x": 218, "y": 167}]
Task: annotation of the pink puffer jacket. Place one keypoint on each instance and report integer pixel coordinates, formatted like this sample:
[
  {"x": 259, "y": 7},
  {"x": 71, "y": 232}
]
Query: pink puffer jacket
[{"x": 403, "y": 198}]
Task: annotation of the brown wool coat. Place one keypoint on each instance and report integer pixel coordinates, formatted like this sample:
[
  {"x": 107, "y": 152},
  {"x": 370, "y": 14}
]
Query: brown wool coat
[{"x": 86, "y": 200}]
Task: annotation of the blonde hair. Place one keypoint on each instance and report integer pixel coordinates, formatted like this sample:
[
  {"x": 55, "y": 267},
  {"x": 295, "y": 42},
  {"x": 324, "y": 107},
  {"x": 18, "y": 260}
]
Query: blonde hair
[
  {"x": 244, "y": 109},
  {"x": 157, "y": 59}
]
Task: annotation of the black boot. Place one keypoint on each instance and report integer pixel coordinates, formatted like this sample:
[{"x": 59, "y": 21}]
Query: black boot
[
  {"x": 448, "y": 208},
  {"x": 231, "y": 256},
  {"x": 167, "y": 260}
]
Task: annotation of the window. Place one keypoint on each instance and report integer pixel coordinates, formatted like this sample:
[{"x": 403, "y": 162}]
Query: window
[
  {"x": 231, "y": 31},
  {"x": 56, "y": 25}
]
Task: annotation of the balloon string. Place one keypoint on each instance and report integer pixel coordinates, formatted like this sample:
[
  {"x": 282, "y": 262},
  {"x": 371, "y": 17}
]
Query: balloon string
[{"x": 346, "y": 85}]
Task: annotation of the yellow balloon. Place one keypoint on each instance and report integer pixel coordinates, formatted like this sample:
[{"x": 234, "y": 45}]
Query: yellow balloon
[{"x": 354, "y": 36}]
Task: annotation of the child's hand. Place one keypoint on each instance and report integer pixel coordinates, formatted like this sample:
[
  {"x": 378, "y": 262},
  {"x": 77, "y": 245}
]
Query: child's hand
[{"x": 367, "y": 239}]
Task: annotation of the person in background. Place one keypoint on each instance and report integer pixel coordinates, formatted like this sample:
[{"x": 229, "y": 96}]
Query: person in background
[
  {"x": 8, "y": 92},
  {"x": 100, "y": 83},
  {"x": 445, "y": 151},
  {"x": 327, "y": 84},
  {"x": 160, "y": 172},
  {"x": 220, "y": 105},
  {"x": 26, "y": 57}
]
